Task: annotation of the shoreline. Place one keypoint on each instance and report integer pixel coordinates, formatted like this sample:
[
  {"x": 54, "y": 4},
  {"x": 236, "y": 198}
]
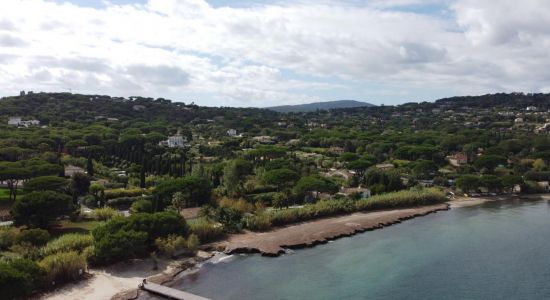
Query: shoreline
[
  {"x": 315, "y": 232},
  {"x": 120, "y": 281}
]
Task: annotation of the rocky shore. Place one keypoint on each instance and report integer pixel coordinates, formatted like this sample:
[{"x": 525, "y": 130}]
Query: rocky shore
[{"x": 308, "y": 234}]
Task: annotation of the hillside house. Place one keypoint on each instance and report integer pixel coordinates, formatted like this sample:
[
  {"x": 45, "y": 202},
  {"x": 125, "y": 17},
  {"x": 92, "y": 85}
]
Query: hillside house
[
  {"x": 232, "y": 132},
  {"x": 70, "y": 170},
  {"x": 175, "y": 141},
  {"x": 458, "y": 159}
]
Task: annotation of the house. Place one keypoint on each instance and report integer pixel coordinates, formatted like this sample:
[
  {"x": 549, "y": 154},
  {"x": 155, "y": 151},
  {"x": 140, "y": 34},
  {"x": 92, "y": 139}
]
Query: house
[
  {"x": 531, "y": 108},
  {"x": 263, "y": 139},
  {"x": 14, "y": 121},
  {"x": 426, "y": 183},
  {"x": 458, "y": 159},
  {"x": 336, "y": 150},
  {"x": 232, "y": 132},
  {"x": 138, "y": 107},
  {"x": 70, "y": 170},
  {"x": 544, "y": 184},
  {"x": 175, "y": 141},
  {"x": 363, "y": 193},
  {"x": 518, "y": 120},
  {"x": 385, "y": 166},
  {"x": 17, "y": 121}
]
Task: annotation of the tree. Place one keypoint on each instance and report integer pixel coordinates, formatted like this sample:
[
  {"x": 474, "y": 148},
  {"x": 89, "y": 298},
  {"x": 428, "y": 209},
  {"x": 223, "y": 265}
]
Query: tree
[
  {"x": 79, "y": 185},
  {"x": 468, "y": 183},
  {"x": 39, "y": 209},
  {"x": 98, "y": 192},
  {"x": 509, "y": 181},
  {"x": 196, "y": 189},
  {"x": 315, "y": 183},
  {"x": 46, "y": 183},
  {"x": 90, "y": 165},
  {"x": 359, "y": 166},
  {"x": 424, "y": 169},
  {"x": 234, "y": 174},
  {"x": 492, "y": 183},
  {"x": 179, "y": 201},
  {"x": 13, "y": 173},
  {"x": 280, "y": 178},
  {"x": 539, "y": 165},
  {"x": 489, "y": 162}
]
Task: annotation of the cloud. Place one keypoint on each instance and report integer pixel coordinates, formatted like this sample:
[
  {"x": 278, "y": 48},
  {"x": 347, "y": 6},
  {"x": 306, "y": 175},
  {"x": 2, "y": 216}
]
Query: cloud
[
  {"x": 283, "y": 52},
  {"x": 8, "y": 40}
]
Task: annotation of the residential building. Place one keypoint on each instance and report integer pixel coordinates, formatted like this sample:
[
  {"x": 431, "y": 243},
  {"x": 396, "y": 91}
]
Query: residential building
[
  {"x": 232, "y": 132},
  {"x": 458, "y": 159}
]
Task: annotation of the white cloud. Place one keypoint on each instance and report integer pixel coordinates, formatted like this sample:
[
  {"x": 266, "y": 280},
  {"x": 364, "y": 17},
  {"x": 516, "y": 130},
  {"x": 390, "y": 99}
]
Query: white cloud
[{"x": 243, "y": 56}]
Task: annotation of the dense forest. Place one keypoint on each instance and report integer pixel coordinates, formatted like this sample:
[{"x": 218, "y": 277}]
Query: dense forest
[{"x": 92, "y": 179}]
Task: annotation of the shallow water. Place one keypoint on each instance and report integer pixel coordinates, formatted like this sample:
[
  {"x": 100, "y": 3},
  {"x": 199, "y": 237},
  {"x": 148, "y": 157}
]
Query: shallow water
[{"x": 498, "y": 250}]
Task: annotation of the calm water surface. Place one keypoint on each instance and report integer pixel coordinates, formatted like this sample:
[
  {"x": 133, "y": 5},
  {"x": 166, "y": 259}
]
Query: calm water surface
[{"x": 499, "y": 250}]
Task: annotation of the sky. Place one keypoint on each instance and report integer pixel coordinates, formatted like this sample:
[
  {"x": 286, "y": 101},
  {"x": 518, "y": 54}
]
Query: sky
[{"x": 266, "y": 53}]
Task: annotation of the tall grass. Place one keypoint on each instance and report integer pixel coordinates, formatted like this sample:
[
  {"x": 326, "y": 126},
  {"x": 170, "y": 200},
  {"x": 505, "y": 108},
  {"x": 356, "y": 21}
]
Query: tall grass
[
  {"x": 67, "y": 242},
  {"x": 206, "y": 231},
  {"x": 64, "y": 266},
  {"x": 266, "y": 220},
  {"x": 105, "y": 213}
]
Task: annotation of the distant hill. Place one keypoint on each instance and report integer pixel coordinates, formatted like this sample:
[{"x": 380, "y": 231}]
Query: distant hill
[{"x": 319, "y": 105}]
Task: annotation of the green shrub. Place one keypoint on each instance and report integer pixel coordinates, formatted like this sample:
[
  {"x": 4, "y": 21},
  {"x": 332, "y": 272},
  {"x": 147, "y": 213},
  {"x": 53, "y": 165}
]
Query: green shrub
[
  {"x": 121, "y": 238},
  {"x": 68, "y": 242},
  {"x": 105, "y": 213},
  {"x": 126, "y": 201},
  {"x": 14, "y": 284},
  {"x": 34, "y": 237},
  {"x": 120, "y": 245},
  {"x": 142, "y": 206},
  {"x": 8, "y": 236},
  {"x": 38, "y": 209},
  {"x": 170, "y": 244},
  {"x": 117, "y": 193},
  {"x": 265, "y": 220},
  {"x": 193, "y": 242},
  {"x": 35, "y": 272},
  {"x": 19, "y": 277},
  {"x": 207, "y": 231},
  {"x": 64, "y": 266}
]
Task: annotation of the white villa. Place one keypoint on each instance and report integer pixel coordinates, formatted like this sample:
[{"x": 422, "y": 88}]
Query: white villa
[
  {"x": 18, "y": 121},
  {"x": 175, "y": 141}
]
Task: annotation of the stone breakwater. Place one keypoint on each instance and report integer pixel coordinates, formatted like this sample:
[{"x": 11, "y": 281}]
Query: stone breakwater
[{"x": 311, "y": 233}]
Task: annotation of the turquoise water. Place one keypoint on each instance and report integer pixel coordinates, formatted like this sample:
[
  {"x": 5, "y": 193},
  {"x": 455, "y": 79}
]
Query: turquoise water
[{"x": 499, "y": 250}]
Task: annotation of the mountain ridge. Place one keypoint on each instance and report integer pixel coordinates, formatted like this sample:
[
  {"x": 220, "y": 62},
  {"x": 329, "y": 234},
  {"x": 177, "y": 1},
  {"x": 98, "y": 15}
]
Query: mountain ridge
[{"x": 325, "y": 105}]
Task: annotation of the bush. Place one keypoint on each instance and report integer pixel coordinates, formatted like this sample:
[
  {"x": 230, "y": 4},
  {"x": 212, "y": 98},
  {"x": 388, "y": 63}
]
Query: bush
[
  {"x": 126, "y": 201},
  {"x": 14, "y": 284},
  {"x": 325, "y": 208},
  {"x": 170, "y": 244},
  {"x": 64, "y": 266},
  {"x": 34, "y": 237},
  {"x": 68, "y": 242},
  {"x": 46, "y": 183},
  {"x": 35, "y": 272},
  {"x": 19, "y": 277},
  {"x": 142, "y": 206},
  {"x": 8, "y": 236},
  {"x": 118, "y": 193},
  {"x": 38, "y": 209},
  {"x": 193, "y": 242},
  {"x": 121, "y": 238},
  {"x": 207, "y": 231},
  {"x": 120, "y": 245},
  {"x": 105, "y": 213}
]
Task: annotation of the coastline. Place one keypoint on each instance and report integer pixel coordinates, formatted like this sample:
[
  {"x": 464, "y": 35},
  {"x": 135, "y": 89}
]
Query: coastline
[
  {"x": 120, "y": 281},
  {"x": 311, "y": 233}
]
